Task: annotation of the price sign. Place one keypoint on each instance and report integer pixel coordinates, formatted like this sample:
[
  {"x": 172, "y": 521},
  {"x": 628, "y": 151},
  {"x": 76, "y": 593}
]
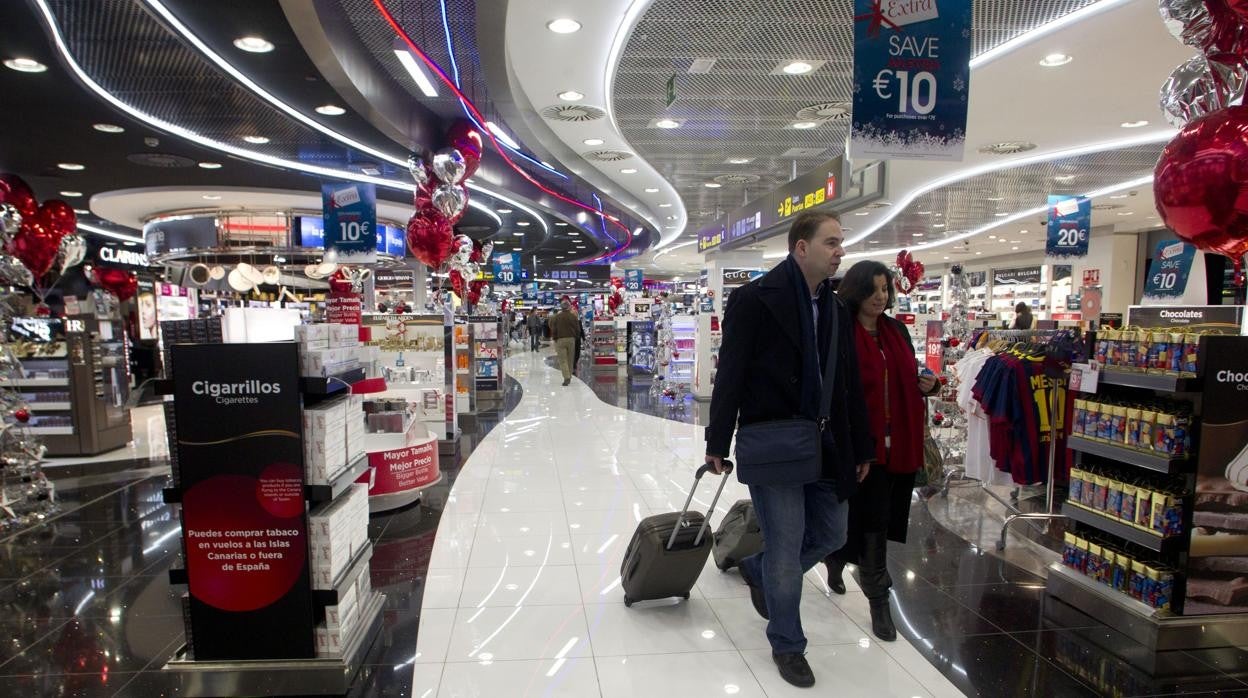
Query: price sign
[
  {"x": 507, "y": 268},
  {"x": 633, "y": 279},
  {"x": 1168, "y": 274},
  {"x": 911, "y": 79},
  {"x": 1070, "y": 219},
  {"x": 350, "y": 217},
  {"x": 935, "y": 353}
]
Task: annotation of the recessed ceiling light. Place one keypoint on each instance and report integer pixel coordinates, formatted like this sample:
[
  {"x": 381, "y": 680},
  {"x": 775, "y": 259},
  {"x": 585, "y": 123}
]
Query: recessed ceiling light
[
  {"x": 667, "y": 123},
  {"x": 995, "y": 198},
  {"x": 1023, "y": 232},
  {"x": 71, "y": 166},
  {"x": 979, "y": 253},
  {"x": 628, "y": 170},
  {"x": 518, "y": 234},
  {"x": 917, "y": 235},
  {"x": 71, "y": 194},
  {"x": 798, "y": 68},
  {"x": 210, "y": 165},
  {"x": 739, "y": 161},
  {"x": 1126, "y": 213},
  {"x": 651, "y": 190},
  {"x": 923, "y": 213},
  {"x": 992, "y": 237},
  {"x": 1053, "y": 60},
  {"x": 258, "y": 140},
  {"x": 1120, "y": 196},
  {"x": 25, "y": 65},
  {"x": 1001, "y": 214},
  {"x": 1064, "y": 178},
  {"x": 504, "y": 210},
  {"x": 1134, "y": 124},
  {"x": 938, "y": 225},
  {"x": 712, "y": 185},
  {"x": 863, "y": 213},
  {"x": 563, "y": 25},
  {"x": 330, "y": 110},
  {"x": 665, "y": 205},
  {"x": 571, "y": 96},
  {"x": 946, "y": 256},
  {"x": 1003, "y": 241},
  {"x": 593, "y": 141},
  {"x": 108, "y": 128},
  {"x": 803, "y": 125},
  {"x": 561, "y": 224},
  {"x": 1015, "y": 248},
  {"x": 522, "y": 224},
  {"x": 212, "y": 197},
  {"x": 253, "y": 44}
]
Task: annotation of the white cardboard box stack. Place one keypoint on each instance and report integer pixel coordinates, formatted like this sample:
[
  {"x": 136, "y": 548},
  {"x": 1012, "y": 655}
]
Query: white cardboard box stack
[
  {"x": 327, "y": 349},
  {"x": 344, "y": 618},
  {"x": 338, "y": 533},
  {"x": 333, "y": 437}
]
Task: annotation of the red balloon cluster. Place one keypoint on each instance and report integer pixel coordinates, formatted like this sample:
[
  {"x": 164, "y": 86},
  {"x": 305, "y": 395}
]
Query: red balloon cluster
[
  {"x": 909, "y": 272},
  {"x": 1201, "y": 183},
  {"x": 430, "y": 229},
  {"x": 39, "y": 239},
  {"x": 118, "y": 282}
]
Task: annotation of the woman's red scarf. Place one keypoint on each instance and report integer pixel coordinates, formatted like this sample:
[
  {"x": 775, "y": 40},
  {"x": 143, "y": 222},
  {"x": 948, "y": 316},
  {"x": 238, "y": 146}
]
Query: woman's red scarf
[{"x": 905, "y": 403}]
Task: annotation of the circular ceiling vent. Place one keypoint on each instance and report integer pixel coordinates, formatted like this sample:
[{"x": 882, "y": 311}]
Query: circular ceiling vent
[
  {"x": 574, "y": 113},
  {"x": 828, "y": 111},
  {"x": 1106, "y": 207},
  {"x": 160, "y": 160},
  {"x": 1008, "y": 147},
  {"x": 737, "y": 179},
  {"x": 607, "y": 155}
]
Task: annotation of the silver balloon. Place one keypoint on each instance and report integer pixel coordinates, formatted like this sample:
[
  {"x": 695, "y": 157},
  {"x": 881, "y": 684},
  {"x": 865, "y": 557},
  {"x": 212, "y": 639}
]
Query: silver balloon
[
  {"x": 1185, "y": 19},
  {"x": 10, "y": 221},
  {"x": 1202, "y": 86},
  {"x": 449, "y": 166},
  {"x": 73, "y": 250},
  {"x": 416, "y": 166},
  {"x": 13, "y": 272},
  {"x": 450, "y": 200}
]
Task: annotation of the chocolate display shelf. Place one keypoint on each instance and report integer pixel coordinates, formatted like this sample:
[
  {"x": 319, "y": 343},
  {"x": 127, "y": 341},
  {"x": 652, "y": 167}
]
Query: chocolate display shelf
[
  {"x": 1150, "y": 381},
  {"x": 1142, "y": 459},
  {"x": 1125, "y": 531}
]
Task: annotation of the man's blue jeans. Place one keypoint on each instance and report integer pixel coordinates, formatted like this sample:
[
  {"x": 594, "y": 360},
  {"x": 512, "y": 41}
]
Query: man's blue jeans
[{"x": 801, "y": 525}]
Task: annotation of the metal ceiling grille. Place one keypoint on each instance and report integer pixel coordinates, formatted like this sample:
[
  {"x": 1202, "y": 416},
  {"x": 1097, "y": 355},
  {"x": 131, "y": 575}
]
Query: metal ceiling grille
[
  {"x": 739, "y": 109},
  {"x": 974, "y": 203}
]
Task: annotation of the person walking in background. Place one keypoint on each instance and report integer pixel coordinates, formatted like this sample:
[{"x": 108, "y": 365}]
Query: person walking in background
[
  {"x": 894, "y": 391},
  {"x": 565, "y": 326},
  {"x": 1023, "y": 319},
  {"x": 536, "y": 327},
  {"x": 778, "y": 333}
]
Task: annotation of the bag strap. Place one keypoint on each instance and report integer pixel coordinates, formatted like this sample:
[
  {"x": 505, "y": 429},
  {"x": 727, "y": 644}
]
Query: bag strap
[{"x": 829, "y": 372}]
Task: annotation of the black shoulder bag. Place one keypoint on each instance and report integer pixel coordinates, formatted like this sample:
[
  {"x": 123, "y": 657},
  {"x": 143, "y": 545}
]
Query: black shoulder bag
[{"x": 790, "y": 451}]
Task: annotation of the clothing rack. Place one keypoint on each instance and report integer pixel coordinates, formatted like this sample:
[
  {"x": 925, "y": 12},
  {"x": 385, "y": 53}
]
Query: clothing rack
[{"x": 1062, "y": 356}]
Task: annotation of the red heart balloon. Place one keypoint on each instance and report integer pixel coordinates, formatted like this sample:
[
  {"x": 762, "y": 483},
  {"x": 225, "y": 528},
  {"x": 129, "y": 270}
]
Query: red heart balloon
[
  {"x": 15, "y": 191},
  {"x": 1201, "y": 182},
  {"x": 119, "y": 282},
  {"x": 429, "y": 238},
  {"x": 465, "y": 138},
  {"x": 60, "y": 217},
  {"x": 35, "y": 244},
  {"x": 457, "y": 282}
]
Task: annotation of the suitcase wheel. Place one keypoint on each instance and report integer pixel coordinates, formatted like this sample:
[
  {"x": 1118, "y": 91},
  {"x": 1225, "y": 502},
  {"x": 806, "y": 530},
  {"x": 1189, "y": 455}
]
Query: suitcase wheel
[{"x": 628, "y": 602}]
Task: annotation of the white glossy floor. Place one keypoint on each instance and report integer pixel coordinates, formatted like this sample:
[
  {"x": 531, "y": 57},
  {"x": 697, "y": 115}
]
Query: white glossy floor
[{"x": 523, "y": 597}]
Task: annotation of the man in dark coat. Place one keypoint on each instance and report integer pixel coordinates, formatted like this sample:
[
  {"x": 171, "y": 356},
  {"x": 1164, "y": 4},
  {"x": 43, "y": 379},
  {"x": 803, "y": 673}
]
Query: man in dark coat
[{"x": 771, "y": 366}]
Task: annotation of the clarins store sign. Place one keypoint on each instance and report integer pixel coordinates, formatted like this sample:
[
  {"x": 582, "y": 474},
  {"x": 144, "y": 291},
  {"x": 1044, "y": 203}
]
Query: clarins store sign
[{"x": 120, "y": 257}]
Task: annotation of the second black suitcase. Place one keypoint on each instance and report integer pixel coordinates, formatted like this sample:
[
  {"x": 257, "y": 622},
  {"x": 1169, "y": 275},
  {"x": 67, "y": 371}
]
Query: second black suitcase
[
  {"x": 738, "y": 536},
  {"x": 668, "y": 551}
]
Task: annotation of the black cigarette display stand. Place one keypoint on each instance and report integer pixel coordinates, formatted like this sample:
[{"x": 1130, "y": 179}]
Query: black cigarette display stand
[{"x": 253, "y": 609}]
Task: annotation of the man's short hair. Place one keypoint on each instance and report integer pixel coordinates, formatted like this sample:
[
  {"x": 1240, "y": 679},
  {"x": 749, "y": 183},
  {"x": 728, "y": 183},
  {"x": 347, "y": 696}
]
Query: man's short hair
[{"x": 807, "y": 223}]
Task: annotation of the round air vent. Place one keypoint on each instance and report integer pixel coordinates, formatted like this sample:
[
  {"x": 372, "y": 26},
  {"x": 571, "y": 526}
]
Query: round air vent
[
  {"x": 1008, "y": 147},
  {"x": 607, "y": 155},
  {"x": 160, "y": 160},
  {"x": 828, "y": 111},
  {"x": 737, "y": 179},
  {"x": 1106, "y": 207},
  {"x": 574, "y": 113}
]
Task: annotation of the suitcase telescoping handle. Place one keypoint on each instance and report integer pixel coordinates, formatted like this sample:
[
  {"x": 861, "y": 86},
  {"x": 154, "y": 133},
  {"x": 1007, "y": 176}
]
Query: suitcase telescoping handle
[{"x": 707, "y": 519}]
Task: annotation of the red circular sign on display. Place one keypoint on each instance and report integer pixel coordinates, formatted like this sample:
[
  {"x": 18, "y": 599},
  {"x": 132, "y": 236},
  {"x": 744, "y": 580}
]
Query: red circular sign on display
[{"x": 243, "y": 552}]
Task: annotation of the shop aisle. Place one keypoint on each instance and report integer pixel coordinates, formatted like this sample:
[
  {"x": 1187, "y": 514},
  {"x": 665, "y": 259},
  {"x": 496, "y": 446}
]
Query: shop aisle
[{"x": 522, "y": 595}]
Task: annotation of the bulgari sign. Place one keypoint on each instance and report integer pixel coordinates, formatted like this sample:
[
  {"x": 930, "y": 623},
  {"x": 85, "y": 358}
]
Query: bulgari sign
[{"x": 121, "y": 257}]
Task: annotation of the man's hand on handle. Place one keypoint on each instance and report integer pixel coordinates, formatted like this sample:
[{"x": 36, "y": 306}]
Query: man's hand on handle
[{"x": 716, "y": 462}]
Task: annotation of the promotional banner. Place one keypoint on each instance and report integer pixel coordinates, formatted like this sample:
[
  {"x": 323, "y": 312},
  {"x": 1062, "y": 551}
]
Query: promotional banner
[
  {"x": 349, "y": 211},
  {"x": 1019, "y": 275},
  {"x": 530, "y": 291},
  {"x": 1070, "y": 219},
  {"x": 548, "y": 298},
  {"x": 633, "y": 279},
  {"x": 240, "y": 463},
  {"x": 507, "y": 268},
  {"x": 911, "y": 79},
  {"x": 935, "y": 351},
  {"x": 1168, "y": 274},
  {"x": 402, "y": 469}
]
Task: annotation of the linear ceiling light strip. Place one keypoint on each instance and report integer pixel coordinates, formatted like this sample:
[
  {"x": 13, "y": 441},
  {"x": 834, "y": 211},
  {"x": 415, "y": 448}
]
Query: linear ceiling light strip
[
  {"x": 468, "y": 104},
  {"x": 109, "y": 233}
]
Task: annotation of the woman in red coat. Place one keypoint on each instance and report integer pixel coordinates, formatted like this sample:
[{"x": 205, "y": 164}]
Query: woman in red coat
[{"x": 894, "y": 390}]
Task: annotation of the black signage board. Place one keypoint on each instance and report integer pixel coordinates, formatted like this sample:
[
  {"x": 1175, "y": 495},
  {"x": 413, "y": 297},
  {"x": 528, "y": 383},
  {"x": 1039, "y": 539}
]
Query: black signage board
[
  {"x": 244, "y": 530},
  {"x": 183, "y": 234},
  {"x": 1219, "y": 523},
  {"x": 1213, "y": 319},
  {"x": 1112, "y": 320},
  {"x": 598, "y": 273},
  {"x": 822, "y": 185},
  {"x": 1020, "y": 275},
  {"x": 396, "y": 278}
]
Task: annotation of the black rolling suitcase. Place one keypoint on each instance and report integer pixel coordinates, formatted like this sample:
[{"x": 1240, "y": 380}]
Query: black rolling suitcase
[
  {"x": 738, "y": 536},
  {"x": 668, "y": 551}
]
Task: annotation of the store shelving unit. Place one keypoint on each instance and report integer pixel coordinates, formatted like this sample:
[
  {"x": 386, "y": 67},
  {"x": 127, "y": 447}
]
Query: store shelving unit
[
  {"x": 603, "y": 340},
  {"x": 487, "y": 357},
  {"x": 685, "y": 339}
]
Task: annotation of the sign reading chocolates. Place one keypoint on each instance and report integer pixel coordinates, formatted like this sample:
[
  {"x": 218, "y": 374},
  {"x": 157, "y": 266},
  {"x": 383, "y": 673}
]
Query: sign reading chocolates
[
  {"x": 1217, "y": 568},
  {"x": 1214, "y": 319},
  {"x": 240, "y": 457}
]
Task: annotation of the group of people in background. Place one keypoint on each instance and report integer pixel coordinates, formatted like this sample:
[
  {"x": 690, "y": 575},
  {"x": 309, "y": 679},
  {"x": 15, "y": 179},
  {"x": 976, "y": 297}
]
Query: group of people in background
[{"x": 562, "y": 327}]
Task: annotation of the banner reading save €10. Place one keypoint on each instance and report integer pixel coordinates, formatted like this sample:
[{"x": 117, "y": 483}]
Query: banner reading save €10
[{"x": 911, "y": 79}]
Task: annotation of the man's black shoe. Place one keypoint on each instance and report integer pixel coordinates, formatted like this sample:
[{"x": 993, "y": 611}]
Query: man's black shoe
[
  {"x": 795, "y": 669},
  {"x": 756, "y": 594}
]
